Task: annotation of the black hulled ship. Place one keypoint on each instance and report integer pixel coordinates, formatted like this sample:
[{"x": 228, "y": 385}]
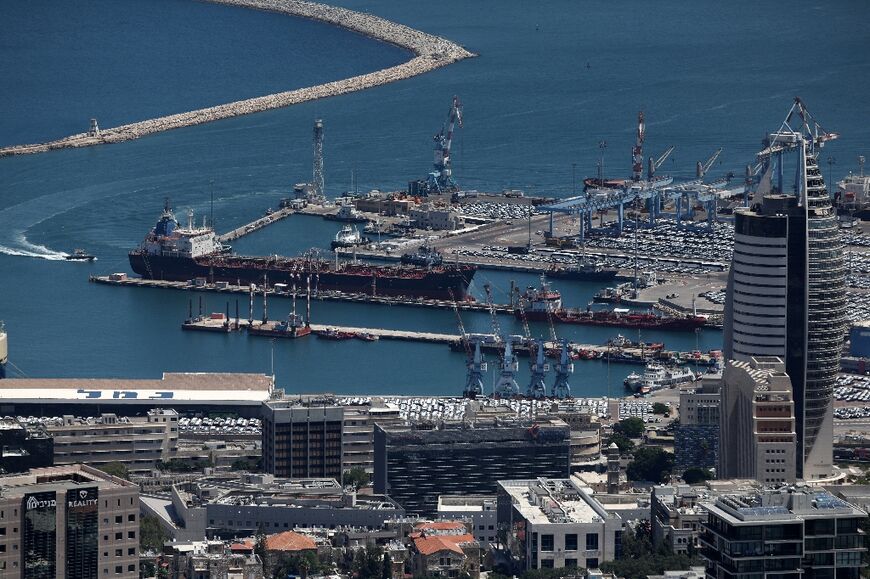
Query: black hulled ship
[{"x": 175, "y": 253}]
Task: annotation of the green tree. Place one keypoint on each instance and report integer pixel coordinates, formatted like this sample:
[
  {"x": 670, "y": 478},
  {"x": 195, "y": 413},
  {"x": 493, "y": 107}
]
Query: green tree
[
  {"x": 650, "y": 464},
  {"x": 356, "y": 477},
  {"x": 695, "y": 475},
  {"x": 152, "y": 535},
  {"x": 640, "y": 559},
  {"x": 368, "y": 562},
  {"x": 622, "y": 441},
  {"x": 387, "y": 571},
  {"x": 660, "y": 408},
  {"x": 116, "y": 469},
  {"x": 630, "y": 427}
]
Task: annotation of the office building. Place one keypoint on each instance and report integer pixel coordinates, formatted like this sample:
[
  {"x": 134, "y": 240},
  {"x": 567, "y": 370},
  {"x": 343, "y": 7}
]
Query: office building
[
  {"x": 480, "y": 511},
  {"x": 68, "y": 521},
  {"x": 758, "y": 422},
  {"x": 303, "y": 439},
  {"x": 358, "y": 446},
  {"x": 555, "y": 523},
  {"x": 138, "y": 442},
  {"x": 786, "y": 292},
  {"x": 23, "y": 448},
  {"x": 787, "y": 533},
  {"x": 240, "y": 505},
  {"x": 696, "y": 438},
  {"x": 414, "y": 465}
]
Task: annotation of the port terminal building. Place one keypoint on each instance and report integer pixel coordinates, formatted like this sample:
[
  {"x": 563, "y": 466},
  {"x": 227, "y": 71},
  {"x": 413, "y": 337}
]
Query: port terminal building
[{"x": 244, "y": 394}]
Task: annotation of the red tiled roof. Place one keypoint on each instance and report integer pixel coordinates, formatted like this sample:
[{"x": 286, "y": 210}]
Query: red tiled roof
[
  {"x": 246, "y": 545},
  {"x": 430, "y": 545},
  {"x": 289, "y": 541}
]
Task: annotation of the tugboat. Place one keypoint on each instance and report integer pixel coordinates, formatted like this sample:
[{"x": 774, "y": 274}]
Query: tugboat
[
  {"x": 349, "y": 237},
  {"x": 80, "y": 255},
  {"x": 292, "y": 327},
  {"x": 584, "y": 269},
  {"x": 633, "y": 381}
]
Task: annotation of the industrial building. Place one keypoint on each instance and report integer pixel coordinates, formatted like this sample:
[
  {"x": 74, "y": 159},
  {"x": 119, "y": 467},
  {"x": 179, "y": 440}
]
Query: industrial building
[
  {"x": 791, "y": 532},
  {"x": 23, "y": 448},
  {"x": 787, "y": 285},
  {"x": 138, "y": 442},
  {"x": 414, "y": 465},
  {"x": 555, "y": 523},
  {"x": 68, "y": 521},
  {"x": 242, "y": 394},
  {"x": 240, "y": 505},
  {"x": 758, "y": 422},
  {"x": 696, "y": 438},
  {"x": 303, "y": 439}
]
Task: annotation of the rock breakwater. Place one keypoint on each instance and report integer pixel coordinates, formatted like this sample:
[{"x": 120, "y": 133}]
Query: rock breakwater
[{"x": 430, "y": 52}]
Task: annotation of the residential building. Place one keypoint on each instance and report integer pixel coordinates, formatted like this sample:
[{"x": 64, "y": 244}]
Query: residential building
[
  {"x": 210, "y": 560},
  {"x": 556, "y": 523},
  {"x": 23, "y": 448},
  {"x": 758, "y": 422},
  {"x": 696, "y": 439},
  {"x": 444, "y": 549},
  {"x": 358, "y": 447},
  {"x": 414, "y": 465},
  {"x": 240, "y": 505},
  {"x": 786, "y": 298},
  {"x": 790, "y": 533},
  {"x": 303, "y": 439},
  {"x": 68, "y": 521},
  {"x": 138, "y": 442},
  {"x": 676, "y": 516},
  {"x": 481, "y": 512}
]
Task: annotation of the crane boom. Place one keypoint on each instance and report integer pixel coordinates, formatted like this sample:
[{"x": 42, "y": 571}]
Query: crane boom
[
  {"x": 703, "y": 168},
  {"x": 655, "y": 164}
]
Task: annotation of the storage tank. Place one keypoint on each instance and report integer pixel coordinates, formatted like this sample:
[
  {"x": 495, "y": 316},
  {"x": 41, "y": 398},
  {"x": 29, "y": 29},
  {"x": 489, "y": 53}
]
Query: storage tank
[{"x": 859, "y": 336}]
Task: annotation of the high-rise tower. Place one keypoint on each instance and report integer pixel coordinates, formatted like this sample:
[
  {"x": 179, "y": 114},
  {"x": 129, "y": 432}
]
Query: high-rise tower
[
  {"x": 317, "y": 173},
  {"x": 786, "y": 287}
]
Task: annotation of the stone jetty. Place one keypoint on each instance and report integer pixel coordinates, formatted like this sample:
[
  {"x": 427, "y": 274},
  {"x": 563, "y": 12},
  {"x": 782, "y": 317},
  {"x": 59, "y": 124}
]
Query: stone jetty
[{"x": 430, "y": 52}]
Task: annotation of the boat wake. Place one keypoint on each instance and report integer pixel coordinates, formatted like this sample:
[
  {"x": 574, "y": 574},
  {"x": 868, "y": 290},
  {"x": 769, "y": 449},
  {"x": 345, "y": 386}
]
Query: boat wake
[{"x": 26, "y": 249}]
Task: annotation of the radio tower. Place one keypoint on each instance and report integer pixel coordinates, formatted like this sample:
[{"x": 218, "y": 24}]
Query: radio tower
[{"x": 317, "y": 177}]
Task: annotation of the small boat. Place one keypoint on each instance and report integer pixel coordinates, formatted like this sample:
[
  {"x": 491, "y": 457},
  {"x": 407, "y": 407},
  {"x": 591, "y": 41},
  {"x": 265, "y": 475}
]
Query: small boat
[
  {"x": 80, "y": 255},
  {"x": 333, "y": 334},
  {"x": 348, "y": 237},
  {"x": 426, "y": 256},
  {"x": 367, "y": 337}
]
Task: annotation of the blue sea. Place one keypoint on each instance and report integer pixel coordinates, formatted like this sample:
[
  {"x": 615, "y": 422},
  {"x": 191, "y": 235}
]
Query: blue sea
[{"x": 552, "y": 81}]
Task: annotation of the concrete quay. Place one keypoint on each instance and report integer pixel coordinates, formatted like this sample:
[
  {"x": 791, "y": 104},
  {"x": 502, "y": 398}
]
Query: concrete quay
[
  {"x": 256, "y": 224},
  {"x": 431, "y": 52}
]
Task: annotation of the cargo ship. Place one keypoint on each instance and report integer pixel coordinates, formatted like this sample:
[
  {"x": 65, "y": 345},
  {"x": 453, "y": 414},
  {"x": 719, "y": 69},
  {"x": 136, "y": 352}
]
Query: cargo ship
[
  {"x": 545, "y": 303},
  {"x": 174, "y": 253}
]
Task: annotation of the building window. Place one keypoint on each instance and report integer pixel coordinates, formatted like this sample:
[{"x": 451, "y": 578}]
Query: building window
[
  {"x": 119, "y": 536},
  {"x": 570, "y": 563},
  {"x": 547, "y": 563},
  {"x": 591, "y": 542},
  {"x": 546, "y": 542},
  {"x": 571, "y": 542},
  {"x": 118, "y": 569},
  {"x": 119, "y": 519},
  {"x": 131, "y": 517},
  {"x": 131, "y": 534},
  {"x": 592, "y": 563}
]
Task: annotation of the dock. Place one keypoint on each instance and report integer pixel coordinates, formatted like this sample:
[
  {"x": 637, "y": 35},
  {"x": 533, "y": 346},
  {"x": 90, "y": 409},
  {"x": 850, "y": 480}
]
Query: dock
[
  {"x": 325, "y": 296},
  {"x": 257, "y": 224}
]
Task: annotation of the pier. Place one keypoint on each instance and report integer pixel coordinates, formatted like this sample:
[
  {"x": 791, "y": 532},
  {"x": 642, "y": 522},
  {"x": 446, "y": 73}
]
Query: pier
[
  {"x": 326, "y": 296},
  {"x": 431, "y": 52},
  {"x": 257, "y": 224}
]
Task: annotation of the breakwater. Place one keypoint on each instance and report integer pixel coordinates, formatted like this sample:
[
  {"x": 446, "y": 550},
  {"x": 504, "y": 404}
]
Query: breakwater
[{"x": 430, "y": 52}]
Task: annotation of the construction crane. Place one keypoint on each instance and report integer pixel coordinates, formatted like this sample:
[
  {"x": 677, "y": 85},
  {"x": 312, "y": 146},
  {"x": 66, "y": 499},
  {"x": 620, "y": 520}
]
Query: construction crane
[
  {"x": 637, "y": 150},
  {"x": 655, "y": 164},
  {"x": 702, "y": 168},
  {"x": 441, "y": 179}
]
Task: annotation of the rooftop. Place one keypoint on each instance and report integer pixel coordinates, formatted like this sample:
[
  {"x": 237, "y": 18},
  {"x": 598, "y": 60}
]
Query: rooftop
[
  {"x": 432, "y": 537},
  {"x": 58, "y": 478},
  {"x": 559, "y": 501},
  {"x": 289, "y": 541},
  {"x": 786, "y": 503},
  {"x": 172, "y": 387}
]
